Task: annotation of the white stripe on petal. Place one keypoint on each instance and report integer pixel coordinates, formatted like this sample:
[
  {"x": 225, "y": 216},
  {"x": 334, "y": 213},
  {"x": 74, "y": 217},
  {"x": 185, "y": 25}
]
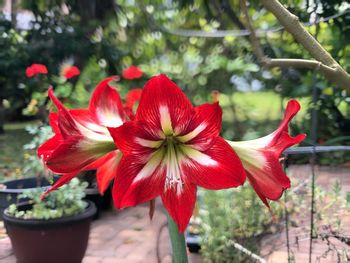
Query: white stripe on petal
[
  {"x": 93, "y": 135},
  {"x": 165, "y": 120},
  {"x": 149, "y": 168},
  {"x": 109, "y": 118},
  {"x": 249, "y": 154},
  {"x": 198, "y": 156},
  {"x": 256, "y": 143},
  {"x": 149, "y": 143},
  {"x": 189, "y": 136}
]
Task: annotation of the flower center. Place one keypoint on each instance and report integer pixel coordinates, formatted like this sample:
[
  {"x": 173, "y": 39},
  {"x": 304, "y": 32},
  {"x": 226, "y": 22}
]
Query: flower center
[{"x": 172, "y": 161}]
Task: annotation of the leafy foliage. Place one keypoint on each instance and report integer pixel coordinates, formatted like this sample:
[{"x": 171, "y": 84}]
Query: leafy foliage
[
  {"x": 40, "y": 134},
  {"x": 66, "y": 201},
  {"x": 234, "y": 214}
]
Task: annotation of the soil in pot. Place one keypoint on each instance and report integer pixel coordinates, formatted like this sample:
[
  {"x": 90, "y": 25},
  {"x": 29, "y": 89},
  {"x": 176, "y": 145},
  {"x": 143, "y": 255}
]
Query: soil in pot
[{"x": 61, "y": 240}]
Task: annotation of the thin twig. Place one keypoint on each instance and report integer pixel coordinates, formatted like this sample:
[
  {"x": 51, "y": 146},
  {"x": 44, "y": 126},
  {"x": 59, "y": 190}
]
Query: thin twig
[
  {"x": 246, "y": 251},
  {"x": 292, "y": 24},
  {"x": 258, "y": 51}
]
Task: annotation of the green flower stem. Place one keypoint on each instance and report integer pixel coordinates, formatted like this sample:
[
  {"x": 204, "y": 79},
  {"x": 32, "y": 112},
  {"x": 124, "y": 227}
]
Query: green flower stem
[{"x": 178, "y": 242}]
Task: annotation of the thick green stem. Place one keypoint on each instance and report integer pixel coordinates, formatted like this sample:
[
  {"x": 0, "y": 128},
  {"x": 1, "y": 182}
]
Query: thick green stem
[{"x": 178, "y": 242}]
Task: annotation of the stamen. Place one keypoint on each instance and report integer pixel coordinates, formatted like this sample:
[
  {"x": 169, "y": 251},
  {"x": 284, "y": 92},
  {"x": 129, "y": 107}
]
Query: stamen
[{"x": 173, "y": 178}]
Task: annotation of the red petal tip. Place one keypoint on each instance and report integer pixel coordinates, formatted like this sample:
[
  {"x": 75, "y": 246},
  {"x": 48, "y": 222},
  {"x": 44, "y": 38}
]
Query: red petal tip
[{"x": 43, "y": 195}]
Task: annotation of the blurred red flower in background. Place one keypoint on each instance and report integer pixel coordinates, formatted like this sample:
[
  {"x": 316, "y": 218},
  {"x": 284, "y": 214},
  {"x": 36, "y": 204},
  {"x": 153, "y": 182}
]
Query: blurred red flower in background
[
  {"x": 132, "y": 72},
  {"x": 35, "y": 69}
]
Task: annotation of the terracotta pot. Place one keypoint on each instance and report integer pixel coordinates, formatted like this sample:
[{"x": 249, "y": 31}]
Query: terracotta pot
[{"x": 55, "y": 240}]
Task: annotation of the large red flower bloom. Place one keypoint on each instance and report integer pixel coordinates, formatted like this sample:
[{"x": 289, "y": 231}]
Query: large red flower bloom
[
  {"x": 35, "y": 69},
  {"x": 260, "y": 157},
  {"x": 81, "y": 140},
  {"x": 132, "y": 72},
  {"x": 70, "y": 72},
  {"x": 170, "y": 148}
]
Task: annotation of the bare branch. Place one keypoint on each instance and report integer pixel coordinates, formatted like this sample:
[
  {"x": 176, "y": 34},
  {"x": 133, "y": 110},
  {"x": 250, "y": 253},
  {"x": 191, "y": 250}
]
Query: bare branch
[{"x": 291, "y": 23}]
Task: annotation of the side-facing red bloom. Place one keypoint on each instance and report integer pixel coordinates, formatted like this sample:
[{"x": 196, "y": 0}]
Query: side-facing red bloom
[
  {"x": 170, "y": 148},
  {"x": 260, "y": 157},
  {"x": 35, "y": 69},
  {"x": 132, "y": 72},
  {"x": 81, "y": 140},
  {"x": 70, "y": 72}
]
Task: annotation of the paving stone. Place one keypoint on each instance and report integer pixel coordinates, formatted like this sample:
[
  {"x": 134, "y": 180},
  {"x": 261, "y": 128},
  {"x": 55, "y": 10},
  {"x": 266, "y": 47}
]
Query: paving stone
[{"x": 90, "y": 259}]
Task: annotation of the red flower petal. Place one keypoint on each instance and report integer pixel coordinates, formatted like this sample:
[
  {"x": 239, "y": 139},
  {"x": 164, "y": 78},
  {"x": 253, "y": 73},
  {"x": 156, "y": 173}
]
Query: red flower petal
[
  {"x": 107, "y": 170},
  {"x": 260, "y": 157},
  {"x": 53, "y": 120},
  {"x": 216, "y": 168},
  {"x": 35, "y": 69},
  {"x": 71, "y": 72},
  {"x": 180, "y": 207},
  {"x": 139, "y": 179},
  {"x": 87, "y": 125},
  {"x": 281, "y": 140},
  {"x": 106, "y": 106},
  {"x": 65, "y": 178},
  {"x": 269, "y": 182},
  {"x": 135, "y": 137},
  {"x": 204, "y": 127},
  {"x": 132, "y": 72},
  {"x": 161, "y": 96},
  {"x": 76, "y": 152},
  {"x": 47, "y": 148},
  {"x": 29, "y": 72},
  {"x": 66, "y": 123}
]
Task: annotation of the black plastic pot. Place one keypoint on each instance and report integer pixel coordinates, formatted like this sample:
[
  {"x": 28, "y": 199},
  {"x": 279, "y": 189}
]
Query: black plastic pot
[
  {"x": 193, "y": 242},
  {"x": 55, "y": 240},
  {"x": 102, "y": 202},
  {"x": 9, "y": 195}
]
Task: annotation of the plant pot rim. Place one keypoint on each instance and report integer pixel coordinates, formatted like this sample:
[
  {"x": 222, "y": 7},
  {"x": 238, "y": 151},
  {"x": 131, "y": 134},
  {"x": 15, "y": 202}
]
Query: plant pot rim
[
  {"x": 20, "y": 190},
  {"x": 92, "y": 191},
  {"x": 88, "y": 213}
]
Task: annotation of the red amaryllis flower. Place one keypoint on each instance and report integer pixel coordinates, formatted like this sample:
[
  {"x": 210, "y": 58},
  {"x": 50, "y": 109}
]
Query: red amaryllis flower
[
  {"x": 260, "y": 158},
  {"x": 81, "y": 140},
  {"x": 132, "y": 72},
  {"x": 170, "y": 148},
  {"x": 35, "y": 69},
  {"x": 70, "y": 72}
]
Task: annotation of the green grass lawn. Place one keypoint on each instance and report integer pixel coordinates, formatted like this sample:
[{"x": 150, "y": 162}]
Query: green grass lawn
[
  {"x": 254, "y": 114},
  {"x": 11, "y": 149}
]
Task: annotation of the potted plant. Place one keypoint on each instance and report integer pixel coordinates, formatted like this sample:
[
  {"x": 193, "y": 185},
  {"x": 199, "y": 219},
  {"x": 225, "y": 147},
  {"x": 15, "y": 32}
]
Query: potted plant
[
  {"x": 32, "y": 170},
  {"x": 41, "y": 227}
]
